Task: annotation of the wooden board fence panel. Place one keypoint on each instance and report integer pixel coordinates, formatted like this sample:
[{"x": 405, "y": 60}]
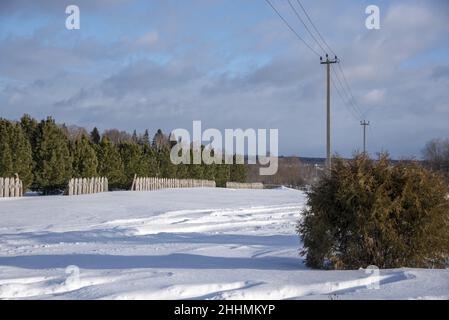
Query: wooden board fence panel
[
  {"x": 78, "y": 186},
  {"x": 152, "y": 183},
  {"x": 11, "y": 187},
  {"x": 240, "y": 185}
]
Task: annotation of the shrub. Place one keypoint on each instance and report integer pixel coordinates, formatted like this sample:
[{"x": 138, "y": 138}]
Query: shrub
[{"x": 366, "y": 212}]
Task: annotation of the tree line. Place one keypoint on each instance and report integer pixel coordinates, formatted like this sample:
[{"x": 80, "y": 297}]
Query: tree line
[{"x": 46, "y": 155}]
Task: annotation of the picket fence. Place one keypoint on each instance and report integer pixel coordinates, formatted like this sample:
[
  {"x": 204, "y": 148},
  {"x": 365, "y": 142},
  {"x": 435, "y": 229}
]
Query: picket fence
[
  {"x": 151, "y": 183},
  {"x": 240, "y": 185},
  {"x": 78, "y": 186},
  {"x": 11, "y": 187}
]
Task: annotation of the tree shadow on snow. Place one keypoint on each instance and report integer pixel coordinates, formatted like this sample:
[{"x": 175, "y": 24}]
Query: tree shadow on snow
[
  {"x": 171, "y": 261},
  {"x": 124, "y": 236}
]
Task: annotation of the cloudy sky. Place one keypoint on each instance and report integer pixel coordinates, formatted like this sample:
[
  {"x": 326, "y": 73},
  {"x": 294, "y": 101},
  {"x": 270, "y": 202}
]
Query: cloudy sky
[{"x": 232, "y": 64}]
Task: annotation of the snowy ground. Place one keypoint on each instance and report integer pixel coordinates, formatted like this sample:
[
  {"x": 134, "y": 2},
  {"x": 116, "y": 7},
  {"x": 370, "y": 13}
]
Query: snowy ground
[{"x": 178, "y": 244}]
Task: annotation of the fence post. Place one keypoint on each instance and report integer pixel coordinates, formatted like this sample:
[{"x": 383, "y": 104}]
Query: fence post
[
  {"x": 134, "y": 182},
  {"x": 71, "y": 187},
  {"x": 6, "y": 188}
]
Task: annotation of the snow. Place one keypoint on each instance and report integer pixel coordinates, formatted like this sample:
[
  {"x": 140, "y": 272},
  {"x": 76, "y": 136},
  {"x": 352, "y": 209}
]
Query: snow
[{"x": 178, "y": 244}]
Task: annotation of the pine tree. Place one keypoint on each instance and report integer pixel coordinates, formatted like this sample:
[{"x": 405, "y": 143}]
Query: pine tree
[
  {"x": 222, "y": 174},
  {"x": 131, "y": 155},
  {"x": 84, "y": 158},
  {"x": 150, "y": 161},
  {"x": 53, "y": 161},
  {"x": 166, "y": 168},
  {"x": 15, "y": 153},
  {"x": 195, "y": 171},
  {"x": 6, "y": 161},
  {"x": 110, "y": 164},
  {"x": 95, "y": 136},
  {"x": 238, "y": 172},
  {"x": 30, "y": 129}
]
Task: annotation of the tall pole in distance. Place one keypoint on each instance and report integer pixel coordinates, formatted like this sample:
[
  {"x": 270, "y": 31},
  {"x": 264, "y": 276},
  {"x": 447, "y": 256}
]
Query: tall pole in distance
[
  {"x": 364, "y": 124},
  {"x": 328, "y": 63}
]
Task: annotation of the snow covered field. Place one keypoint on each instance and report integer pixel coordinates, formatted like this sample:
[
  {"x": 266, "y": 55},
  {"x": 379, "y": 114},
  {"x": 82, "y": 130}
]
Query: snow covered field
[{"x": 178, "y": 244}]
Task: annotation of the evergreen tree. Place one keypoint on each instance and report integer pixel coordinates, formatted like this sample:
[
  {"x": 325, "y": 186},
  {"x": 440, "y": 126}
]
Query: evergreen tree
[
  {"x": 30, "y": 129},
  {"x": 146, "y": 138},
  {"x": 195, "y": 170},
  {"x": 160, "y": 141},
  {"x": 373, "y": 212},
  {"x": 134, "y": 137},
  {"x": 6, "y": 161},
  {"x": 15, "y": 153},
  {"x": 238, "y": 172},
  {"x": 110, "y": 163},
  {"x": 84, "y": 158},
  {"x": 166, "y": 168},
  {"x": 150, "y": 161},
  {"x": 209, "y": 170},
  {"x": 132, "y": 157},
  {"x": 222, "y": 174},
  {"x": 53, "y": 161},
  {"x": 182, "y": 171},
  {"x": 95, "y": 136}
]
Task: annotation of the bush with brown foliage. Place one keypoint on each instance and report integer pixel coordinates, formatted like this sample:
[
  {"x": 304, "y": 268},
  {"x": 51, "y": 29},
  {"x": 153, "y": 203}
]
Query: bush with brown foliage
[{"x": 372, "y": 212}]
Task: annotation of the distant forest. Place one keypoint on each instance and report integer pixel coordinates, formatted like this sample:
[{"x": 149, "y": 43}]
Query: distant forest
[{"x": 46, "y": 155}]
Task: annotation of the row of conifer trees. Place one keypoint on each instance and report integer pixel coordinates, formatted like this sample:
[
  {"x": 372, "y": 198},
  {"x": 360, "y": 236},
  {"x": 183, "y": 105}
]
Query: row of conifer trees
[{"x": 46, "y": 155}]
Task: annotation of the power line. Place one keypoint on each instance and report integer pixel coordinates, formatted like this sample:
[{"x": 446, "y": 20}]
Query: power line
[
  {"x": 305, "y": 26},
  {"x": 347, "y": 100},
  {"x": 348, "y": 87},
  {"x": 291, "y": 28},
  {"x": 315, "y": 28},
  {"x": 343, "y": 100}
]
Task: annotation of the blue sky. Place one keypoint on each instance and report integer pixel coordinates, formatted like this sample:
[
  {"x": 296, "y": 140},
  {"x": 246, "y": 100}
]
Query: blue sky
[{"x": 232, "y": 64}]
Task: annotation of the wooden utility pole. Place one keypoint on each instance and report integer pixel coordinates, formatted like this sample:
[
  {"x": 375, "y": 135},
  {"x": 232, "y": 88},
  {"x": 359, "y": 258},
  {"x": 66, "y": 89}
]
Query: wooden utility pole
[
  {"x": 364, "y": 124},
  {"x": 328, "y": 63}
]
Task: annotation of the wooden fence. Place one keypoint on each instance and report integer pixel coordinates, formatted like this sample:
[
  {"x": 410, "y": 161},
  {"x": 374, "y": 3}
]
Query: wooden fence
[
  {"x": 149, "y": 183},
  {"x": 11, "y": 187},
  {"x": 78, "y": 186},
  {"x": 239, "y": 185}
]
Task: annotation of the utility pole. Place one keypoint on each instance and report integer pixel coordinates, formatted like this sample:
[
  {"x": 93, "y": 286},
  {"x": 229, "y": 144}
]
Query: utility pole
[
  {"x": 364, "y": 124},
  {"x": 328, "y": 63}
]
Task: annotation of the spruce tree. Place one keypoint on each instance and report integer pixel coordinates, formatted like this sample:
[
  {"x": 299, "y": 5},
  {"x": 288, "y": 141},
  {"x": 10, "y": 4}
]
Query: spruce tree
[
  {"x": 95, "y": 136},
  {"x": 84, "y": 158},
  {"x": 53, "y": 161},
  {"x": 134, "y": 137},
  {"x": 146, "y": 138},
  {"x": 110, "y": 163},
  {"x": 160, "y": 141}
]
